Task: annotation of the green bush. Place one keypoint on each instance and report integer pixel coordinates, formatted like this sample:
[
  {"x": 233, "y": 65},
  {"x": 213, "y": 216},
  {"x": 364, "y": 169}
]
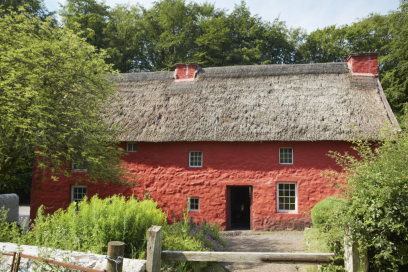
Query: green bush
[
  {"x": 9, "y": 231},
  {"x": 98, "y": 222},
  {"x": 186, "y": 235},
  {"x": 324, "y": 209},
  {"x": 375, "y": 184}
]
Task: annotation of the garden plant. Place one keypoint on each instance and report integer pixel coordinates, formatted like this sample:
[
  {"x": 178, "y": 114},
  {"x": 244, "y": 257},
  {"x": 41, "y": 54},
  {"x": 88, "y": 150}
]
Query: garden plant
[
  {"x": 374, "y": 201},
  {"x": 90, "y": 225}
]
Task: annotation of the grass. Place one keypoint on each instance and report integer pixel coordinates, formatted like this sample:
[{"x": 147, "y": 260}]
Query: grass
[{"x": 316, "y": 241}]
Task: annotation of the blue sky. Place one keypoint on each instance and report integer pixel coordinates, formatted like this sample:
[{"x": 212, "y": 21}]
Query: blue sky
[{"x": 308, "y": 14}]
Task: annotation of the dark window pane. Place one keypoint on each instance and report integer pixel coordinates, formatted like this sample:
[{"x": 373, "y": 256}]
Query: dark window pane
[
  {"x": 281, "y": 206},
  {"x": 292, "y": 186},
  {"x": 292, "y": 207},
  {"x": 280, "y": 186},
  {"x": 292, "y": 193},
  {"x": 292, "y": 200},
  {"x": 286, "y": 186},
  {"x": 286, "y": 206},
  {"x": 286, "y": 193},
  {"x": 281, "y": 200}
]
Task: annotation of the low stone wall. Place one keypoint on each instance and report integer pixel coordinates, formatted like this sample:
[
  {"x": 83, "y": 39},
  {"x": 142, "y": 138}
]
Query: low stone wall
[
  {"x": 88, "y": 260},
  {"x": 10, "y": 202}
]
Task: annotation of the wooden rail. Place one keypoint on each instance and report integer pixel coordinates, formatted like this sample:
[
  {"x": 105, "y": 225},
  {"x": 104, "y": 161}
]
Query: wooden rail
[
  {"x": 246, "y": 257},
  {"x": 155, "y": 255}
]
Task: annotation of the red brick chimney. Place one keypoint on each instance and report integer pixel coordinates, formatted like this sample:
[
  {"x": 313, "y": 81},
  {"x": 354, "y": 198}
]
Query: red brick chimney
[
  {"x": 185, "y": 71},
  {"x": 363, "y": 64}
]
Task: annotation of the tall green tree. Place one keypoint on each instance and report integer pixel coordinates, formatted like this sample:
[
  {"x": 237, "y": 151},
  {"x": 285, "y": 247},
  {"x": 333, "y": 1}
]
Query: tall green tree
[
  {"x": 36, "y": 7},
  {"x": 280, "y": 44},
  {"x": 171, "y": 30},
  {"x": 125, "y": 39},
  {"x": 212, "y": 37},
  {"x": 245, "y": 37},
  {"x": 325, "y": 45},
  {"x": 87, "y": 17},
  {"x": 54, "y": 90},
  {"x": 394, "y": 78}
]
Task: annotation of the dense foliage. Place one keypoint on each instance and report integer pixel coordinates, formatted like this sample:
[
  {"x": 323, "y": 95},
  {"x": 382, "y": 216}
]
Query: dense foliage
[
  {"x": 187, "y": 235},
  {"x": 98, "y": 222},
  {"x": 375, "y": 185},
  {"x": 322, "y": 211},
  {"x": 54, "y": 89},
  {"x": 36, "y": 7},
  {"x": 95, "y": 222}
]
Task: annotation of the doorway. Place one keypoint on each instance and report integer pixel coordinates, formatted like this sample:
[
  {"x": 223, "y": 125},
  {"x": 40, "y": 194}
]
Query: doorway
[{"x": 239, "y": 207}]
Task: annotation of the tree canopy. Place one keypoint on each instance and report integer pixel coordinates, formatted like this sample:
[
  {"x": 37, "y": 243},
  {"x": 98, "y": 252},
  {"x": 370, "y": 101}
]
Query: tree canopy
[
  {"x": 36, "y": 7},
  {"x": 54, "y": 88}
]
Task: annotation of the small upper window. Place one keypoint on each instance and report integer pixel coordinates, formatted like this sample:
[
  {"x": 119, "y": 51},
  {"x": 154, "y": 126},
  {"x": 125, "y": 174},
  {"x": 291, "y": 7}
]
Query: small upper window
[
  {"x": 286, "y": 155},
  {"x": 131, "y": 147},
  {"x": 194, "y": 203},
  {"x": 79, "y": 166},
  {"x": 196, "y": 159},
  {"x": 287, "y": 197},
  {"x": 78, "y": 193}
]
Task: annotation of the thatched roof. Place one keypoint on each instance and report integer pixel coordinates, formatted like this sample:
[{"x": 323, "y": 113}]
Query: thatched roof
[{"x": 308, "y": 102}]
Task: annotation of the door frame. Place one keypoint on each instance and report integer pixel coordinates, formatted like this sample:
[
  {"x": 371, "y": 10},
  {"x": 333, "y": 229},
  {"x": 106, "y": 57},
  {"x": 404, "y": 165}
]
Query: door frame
[{"x": 251, "y": 196}]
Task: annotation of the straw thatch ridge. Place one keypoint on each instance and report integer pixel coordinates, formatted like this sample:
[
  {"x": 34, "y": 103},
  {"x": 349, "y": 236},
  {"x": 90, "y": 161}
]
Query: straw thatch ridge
[
  {"x": 273, "y": 70},
  {"x": 309, "y": 102},
  {"x": 145, "y": 76}
]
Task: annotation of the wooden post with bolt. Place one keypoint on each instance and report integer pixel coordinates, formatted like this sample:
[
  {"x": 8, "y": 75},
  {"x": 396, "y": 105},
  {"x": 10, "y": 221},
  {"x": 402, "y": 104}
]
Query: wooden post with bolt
[
  {"x": 154, "y": 249},
  {"x": 115, "y": 249}
]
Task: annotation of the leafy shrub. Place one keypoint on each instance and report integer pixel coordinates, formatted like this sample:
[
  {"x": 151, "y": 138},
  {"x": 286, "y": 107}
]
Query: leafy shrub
[
  {"x": 322, "y": 211},
  {"x": 98, "y": 222},
  {"x": 376, "y": 186},
  {"x": 9, "y": 231},
  {"x": 186, "y": 235}
]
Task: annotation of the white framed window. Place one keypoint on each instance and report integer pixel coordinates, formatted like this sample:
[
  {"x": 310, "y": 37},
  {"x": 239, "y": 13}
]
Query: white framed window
[
  {"x": 286, "y": 155},
  {"x": 78, "y": 166},
  {"x": 194, "y": 203},
  {"x": 131, "y": 147},
  {"x": 78, "y": 192},
  {"x": 195, "y": 158},
  {"x": 287, "y": 197}
]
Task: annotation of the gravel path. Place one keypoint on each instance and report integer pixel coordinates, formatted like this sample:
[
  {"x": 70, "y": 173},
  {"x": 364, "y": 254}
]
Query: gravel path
[{"x": 247, "y": 241}]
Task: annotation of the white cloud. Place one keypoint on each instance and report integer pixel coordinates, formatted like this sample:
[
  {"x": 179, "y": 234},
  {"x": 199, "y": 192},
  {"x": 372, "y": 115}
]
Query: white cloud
[{"x": 308, "y": 14}]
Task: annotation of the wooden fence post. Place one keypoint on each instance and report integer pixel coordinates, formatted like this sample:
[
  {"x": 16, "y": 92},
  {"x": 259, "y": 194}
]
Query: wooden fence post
[
  {"x": 154, "y": 249},
  {"x": 196, "y": 266},
  {"x": 352, "y": 255},
  {"x": 115, "y": 249}
]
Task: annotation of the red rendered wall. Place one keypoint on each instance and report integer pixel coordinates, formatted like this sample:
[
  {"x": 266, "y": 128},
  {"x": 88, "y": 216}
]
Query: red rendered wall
[{"x": 163, "y": 171}]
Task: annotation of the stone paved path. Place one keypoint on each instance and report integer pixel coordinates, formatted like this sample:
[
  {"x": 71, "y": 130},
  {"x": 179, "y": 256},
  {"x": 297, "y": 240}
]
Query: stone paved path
[{"x": 247, "y": 241}]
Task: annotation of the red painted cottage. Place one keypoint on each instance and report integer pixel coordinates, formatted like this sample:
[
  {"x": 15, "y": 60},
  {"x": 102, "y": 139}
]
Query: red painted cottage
[{"x": 246, "y": 143}]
